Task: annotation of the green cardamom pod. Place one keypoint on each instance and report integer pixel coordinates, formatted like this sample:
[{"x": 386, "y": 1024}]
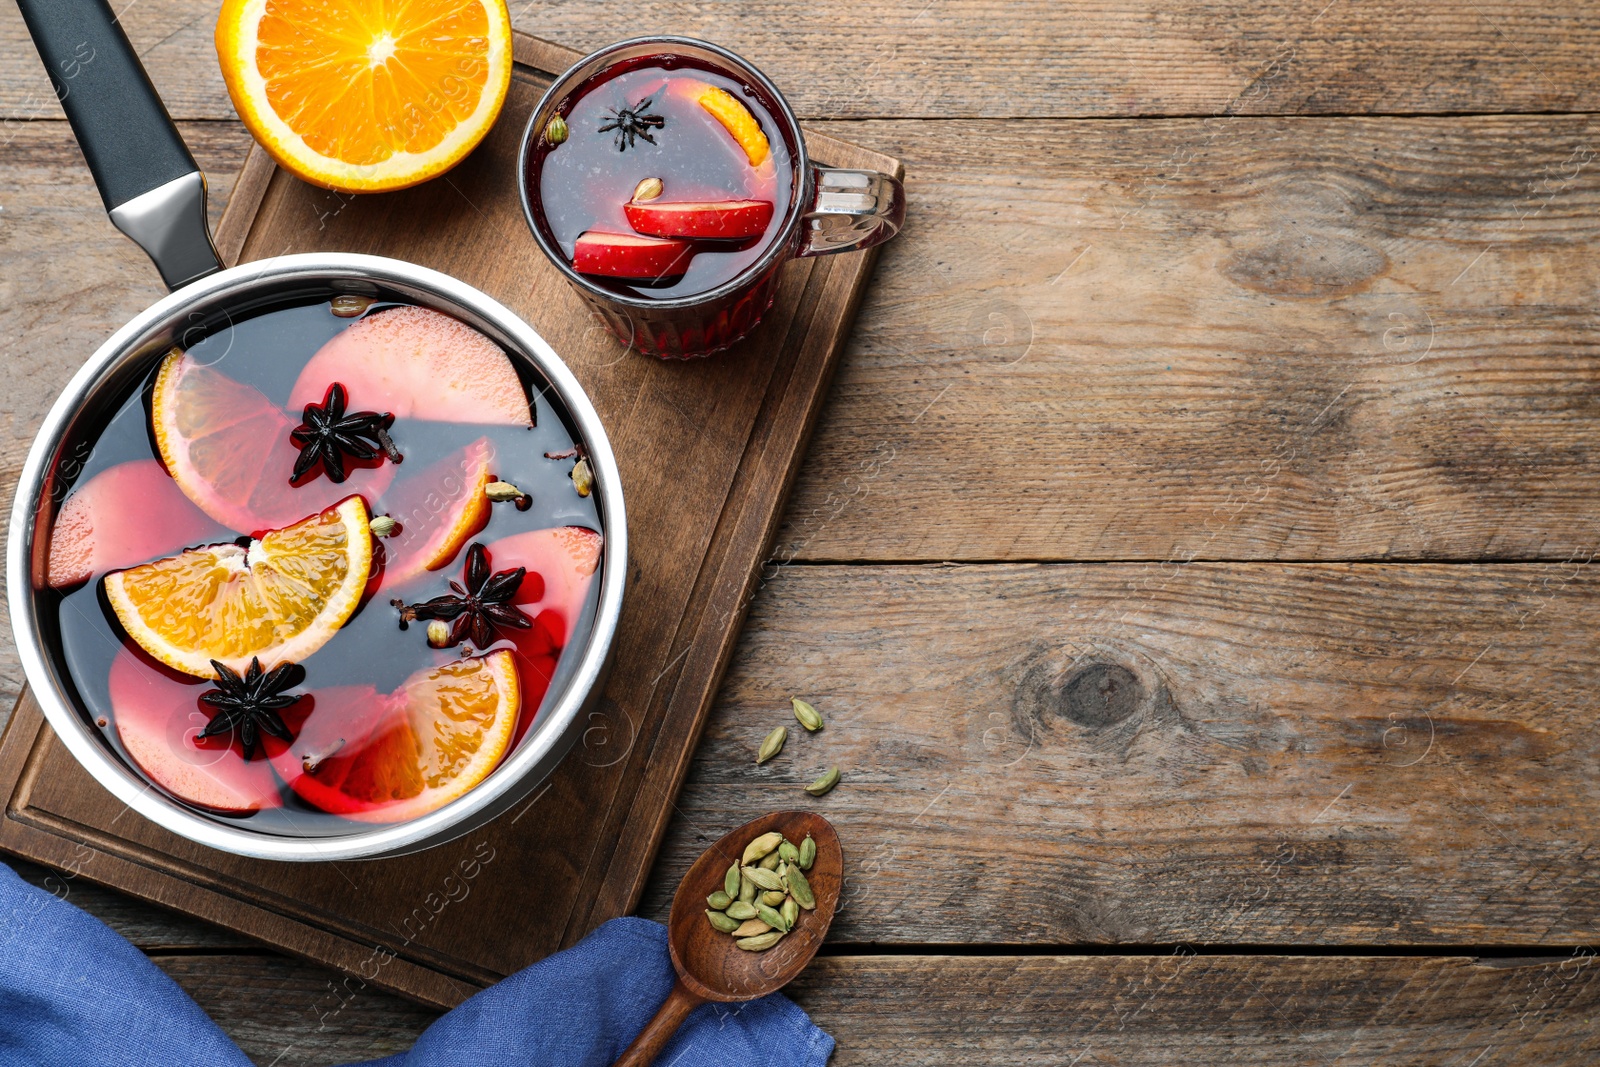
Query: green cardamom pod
[
  {"x": 772, "y": 917},
  {"x": 800, "y": 889},
  {"x": 761, "y": 942},
  {"x": 741, "y": 911},
  {"x": 730, "y": 881},
  {"x": 750, "y": 928},
  {"x": 719, "y": 900},
  {"x": 770, "y": 861},
  {"x": 764, "y": 879},
  {"x": 773, "y": 897},
  {"x": 790, "y": 911},
  {"x": 555, "y": 131},
  {"x": 760, "y": 847},
  {"x": 790, "y": 854},
  {"x": 771, "y": 747},
  {"x": 824, "y": 785},
  {"x": 806, "y": 714},
  {"x": 721, "y": 921},
  {"x": 748, "y": 890},
  {"x": 808, "y": 853}
]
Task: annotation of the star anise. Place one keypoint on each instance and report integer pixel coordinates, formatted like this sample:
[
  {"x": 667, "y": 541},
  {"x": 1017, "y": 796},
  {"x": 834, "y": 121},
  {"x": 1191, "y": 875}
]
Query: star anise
[
  {"x": 476, "y": 609},
  {"x": 632, "y": 122},
  {"x": 249, "y": 706},
  {"x": 326, "y": 433}
]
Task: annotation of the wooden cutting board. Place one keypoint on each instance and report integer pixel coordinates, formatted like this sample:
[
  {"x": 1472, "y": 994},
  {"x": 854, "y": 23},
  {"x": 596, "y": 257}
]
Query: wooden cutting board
[{"x": 708, "y": 450}]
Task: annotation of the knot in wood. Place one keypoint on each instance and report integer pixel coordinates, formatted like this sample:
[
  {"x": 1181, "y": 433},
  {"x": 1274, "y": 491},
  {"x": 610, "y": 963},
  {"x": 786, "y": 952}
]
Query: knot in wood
[{"x": 1101, "y": 694}]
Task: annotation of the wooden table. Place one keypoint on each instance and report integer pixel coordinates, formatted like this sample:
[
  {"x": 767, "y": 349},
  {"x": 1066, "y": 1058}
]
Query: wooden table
[{"x": 1193, "y": 560}]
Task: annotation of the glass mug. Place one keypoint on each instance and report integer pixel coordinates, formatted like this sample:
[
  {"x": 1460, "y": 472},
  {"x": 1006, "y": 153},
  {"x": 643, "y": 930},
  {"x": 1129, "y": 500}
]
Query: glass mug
[{"x": 828, "y": 210}]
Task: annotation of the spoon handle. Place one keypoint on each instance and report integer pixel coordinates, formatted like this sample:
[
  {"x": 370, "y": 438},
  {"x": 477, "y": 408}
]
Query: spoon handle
[{"x": 659, "y": 1030}]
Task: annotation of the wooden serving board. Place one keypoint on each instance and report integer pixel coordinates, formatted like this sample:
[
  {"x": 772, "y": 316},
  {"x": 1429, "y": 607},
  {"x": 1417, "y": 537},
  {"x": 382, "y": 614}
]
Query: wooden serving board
[{"x": 708, "y": 450}]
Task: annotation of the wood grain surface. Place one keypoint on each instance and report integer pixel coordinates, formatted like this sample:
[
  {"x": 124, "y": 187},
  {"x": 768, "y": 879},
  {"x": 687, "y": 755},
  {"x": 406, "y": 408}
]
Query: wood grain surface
[
  {"x": 1004, "y": 59},
  {"x": 1224, "y": 754}
]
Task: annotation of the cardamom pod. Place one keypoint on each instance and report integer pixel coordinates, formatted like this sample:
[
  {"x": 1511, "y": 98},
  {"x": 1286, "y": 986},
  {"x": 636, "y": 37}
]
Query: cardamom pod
[
  {"x": 824, "y": 785},
  {"x": 790, "y": 911},
  {"x": 750, "y": 928},
  {"x": 760, "y": 847},
  {"x": 764, "y": 879},
  {"x": 748, "y": 890},
  {"x": 770, "y": 861},
  {"x": 741, "y": 911},
  {"x": 730, "y": 881},
  {"x": 721, "y": 921},
  {"x": 800, "y": 889},
  {"x": 648, "y": 189},
  {"x": 555, "y": 131},
  {"x": 349, "y": 307},
  {"x": 771, "y": 917},
  {"x": 772, "y": 898},
  {"x": 438, "y": 634},
  {"x": 501, "y": 491},
  {"x": 806, "y": 714},
  {"x": 790, "y": 854},
  {"x": 719, "y": 900},
  {"x": 383, "y": 526},
  {"x": 582, "y": 477},
  {"x": 761, "y": 942},
  {"x": 771, "y": 746},
  {"x": 808, "y": 853}
]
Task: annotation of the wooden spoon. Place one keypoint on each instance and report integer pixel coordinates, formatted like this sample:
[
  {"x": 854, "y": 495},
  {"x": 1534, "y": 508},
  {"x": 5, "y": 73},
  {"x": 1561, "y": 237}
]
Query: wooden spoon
[{"x": 710, "y": 966}]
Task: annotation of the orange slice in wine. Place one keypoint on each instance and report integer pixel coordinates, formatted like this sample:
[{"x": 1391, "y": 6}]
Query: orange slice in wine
[
  {"x": 279, "y": 599},
  {"x": 438, "y": 510},
  {"x": 389, "y": 758},
  {"x": 228, "y": 448}
]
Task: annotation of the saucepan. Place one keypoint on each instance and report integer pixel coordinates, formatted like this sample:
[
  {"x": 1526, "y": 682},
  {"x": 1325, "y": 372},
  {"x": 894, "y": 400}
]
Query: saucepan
[{"x": 155, "y": 193}]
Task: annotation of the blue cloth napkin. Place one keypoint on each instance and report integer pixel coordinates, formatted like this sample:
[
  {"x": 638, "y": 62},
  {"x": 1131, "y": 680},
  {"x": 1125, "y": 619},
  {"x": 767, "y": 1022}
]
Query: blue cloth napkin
[{"x": 72, "y": 991}]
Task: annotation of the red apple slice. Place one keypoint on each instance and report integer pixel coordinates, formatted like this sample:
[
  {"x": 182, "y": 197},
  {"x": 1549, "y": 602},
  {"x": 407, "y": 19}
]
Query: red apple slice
[
  {"x": 561, "y": 563},
  {"x": 627, "y": 255},
  {"x": 128, "y": 514},
  {"x": 438, "y": 509},
  {"x": 159, "y": 718},
  {"x": 417, "y": 364},
  {"x": 723, "y": 220}
]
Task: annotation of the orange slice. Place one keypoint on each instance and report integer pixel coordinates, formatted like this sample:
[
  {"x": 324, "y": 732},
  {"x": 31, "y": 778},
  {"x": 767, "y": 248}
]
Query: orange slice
[
  {"x": 280, "y": 599},
  {"x": 738, "y": 121},
  {"x": 366, "y": 95},
  {"x": 228, "y": 448},
  {"x": 390, "y": 758},
  {"x": 438, "y": 510}
]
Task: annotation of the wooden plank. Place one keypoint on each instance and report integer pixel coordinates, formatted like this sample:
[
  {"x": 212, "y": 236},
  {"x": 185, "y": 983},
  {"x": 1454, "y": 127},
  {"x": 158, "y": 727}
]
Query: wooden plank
[
  {"x": 1152, "y": 1011},
  {"x": 706, "y": 450},
  {"x": 1260, "y": 338},
  {"x": 1037, "y": 58},
  {"x": 1225, "y": 754},
  {"x": 1132, "y": 1011}
]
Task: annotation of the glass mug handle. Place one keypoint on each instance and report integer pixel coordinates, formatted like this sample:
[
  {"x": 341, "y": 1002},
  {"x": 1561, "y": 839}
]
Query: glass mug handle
[{"x": 852, "y": 209}]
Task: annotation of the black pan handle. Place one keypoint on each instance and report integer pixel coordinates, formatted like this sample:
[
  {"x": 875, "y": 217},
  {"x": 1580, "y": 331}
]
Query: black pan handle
[{"x": 152, "y": 188}]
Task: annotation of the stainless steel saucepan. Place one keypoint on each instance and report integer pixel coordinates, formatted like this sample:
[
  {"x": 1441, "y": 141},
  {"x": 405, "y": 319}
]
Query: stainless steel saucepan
[{"x": 155, "y": 194}]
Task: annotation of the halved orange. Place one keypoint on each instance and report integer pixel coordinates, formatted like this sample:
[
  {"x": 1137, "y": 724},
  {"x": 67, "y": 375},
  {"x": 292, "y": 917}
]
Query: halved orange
[
  {"x": 280, "y": 599},
  {"x": 228, "y": 448},
  {"x": 390, "y": 758},
  {"x": 366, "y": 95}
]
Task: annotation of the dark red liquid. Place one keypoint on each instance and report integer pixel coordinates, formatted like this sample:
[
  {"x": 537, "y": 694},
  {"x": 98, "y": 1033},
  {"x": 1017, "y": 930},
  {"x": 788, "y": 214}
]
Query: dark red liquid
[
  {"x": 584, "y": 184},
  {"x": 370, "y": 654}
]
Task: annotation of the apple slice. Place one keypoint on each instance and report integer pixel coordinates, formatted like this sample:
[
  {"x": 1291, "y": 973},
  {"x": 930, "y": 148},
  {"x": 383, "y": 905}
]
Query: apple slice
[
  {"x": 159, "y": 718},
  {"x": 561, "y": 563},
  {"x": 627, "y": 255},
  {"x": 417, "y": 364},
  {"x": 128, "y": 514},
  {"x": 722, "y": 220}
]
